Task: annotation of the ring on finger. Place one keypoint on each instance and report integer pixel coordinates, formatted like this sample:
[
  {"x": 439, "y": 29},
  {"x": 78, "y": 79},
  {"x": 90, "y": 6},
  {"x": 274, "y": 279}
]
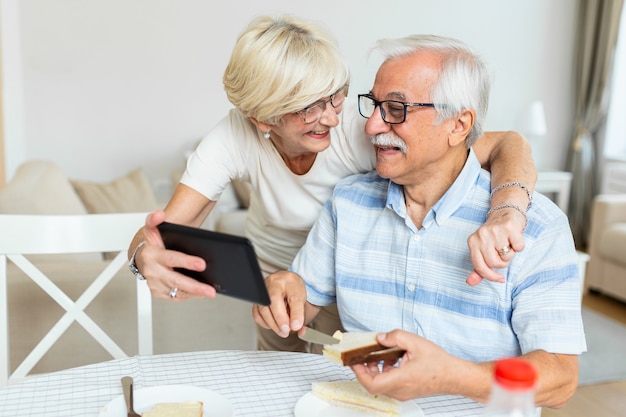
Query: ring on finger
[
  {"x": 173, "y": 292},
  {"x": 504, "y": 250}
]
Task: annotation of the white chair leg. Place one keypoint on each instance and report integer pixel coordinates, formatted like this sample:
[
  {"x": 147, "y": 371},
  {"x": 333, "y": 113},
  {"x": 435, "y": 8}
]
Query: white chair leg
[
  {"x": 4, "y": 324},
  {"x": 144, "y": 318}
]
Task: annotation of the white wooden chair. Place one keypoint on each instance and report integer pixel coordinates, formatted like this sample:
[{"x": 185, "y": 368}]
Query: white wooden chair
[{"x": 68, "y": 234}]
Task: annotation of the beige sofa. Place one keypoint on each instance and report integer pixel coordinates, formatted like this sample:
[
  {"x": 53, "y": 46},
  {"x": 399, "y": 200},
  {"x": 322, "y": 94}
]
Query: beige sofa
[
  {"x": 40, "y": 187},
  {"x": 232, "y": 208},
  {"x": 606, "y": 271}
]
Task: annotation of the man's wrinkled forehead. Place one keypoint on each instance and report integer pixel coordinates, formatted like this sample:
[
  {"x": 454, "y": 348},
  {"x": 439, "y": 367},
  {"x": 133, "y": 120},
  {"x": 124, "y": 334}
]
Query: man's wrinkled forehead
[{"x": 407, "y": 77}]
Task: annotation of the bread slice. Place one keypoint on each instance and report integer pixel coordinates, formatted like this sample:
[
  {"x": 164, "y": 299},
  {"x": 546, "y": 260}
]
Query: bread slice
[
  {"x": 177, "y": 409},
  {"x": 351, "y": 394},
  {"x": 352, "y": 345}
]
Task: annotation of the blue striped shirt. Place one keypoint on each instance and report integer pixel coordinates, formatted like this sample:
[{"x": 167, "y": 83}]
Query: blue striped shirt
[{"x": 365, "y": 254}]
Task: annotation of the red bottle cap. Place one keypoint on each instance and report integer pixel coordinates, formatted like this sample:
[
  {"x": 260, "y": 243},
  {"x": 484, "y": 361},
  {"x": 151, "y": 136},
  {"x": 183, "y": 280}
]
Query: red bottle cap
[{"x": 515, "y": 374}]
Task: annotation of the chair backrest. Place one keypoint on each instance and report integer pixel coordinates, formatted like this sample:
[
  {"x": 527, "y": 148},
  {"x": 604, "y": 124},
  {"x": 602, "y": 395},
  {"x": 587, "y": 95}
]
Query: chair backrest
[{"x": 43, "y": 235}]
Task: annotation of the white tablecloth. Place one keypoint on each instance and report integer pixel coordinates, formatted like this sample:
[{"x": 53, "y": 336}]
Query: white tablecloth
[{"x": 257, "y": 383}]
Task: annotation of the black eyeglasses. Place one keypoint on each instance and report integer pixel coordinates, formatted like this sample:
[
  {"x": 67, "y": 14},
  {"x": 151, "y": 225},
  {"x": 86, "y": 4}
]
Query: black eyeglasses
[
  {"x": 392, "y": 111},
  {"x": 314, "y": 112}
]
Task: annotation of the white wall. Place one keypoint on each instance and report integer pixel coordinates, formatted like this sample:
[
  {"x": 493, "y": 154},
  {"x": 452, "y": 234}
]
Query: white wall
[{"x": 109, "y": 85}]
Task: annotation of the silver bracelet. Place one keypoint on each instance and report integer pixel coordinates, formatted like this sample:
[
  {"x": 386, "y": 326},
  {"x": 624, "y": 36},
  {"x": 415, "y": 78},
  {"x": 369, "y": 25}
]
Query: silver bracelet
[
  {"x": 509, "y": 205},
  {"x": 131, "y": 264},
  {"x": 514, "y": 184}
]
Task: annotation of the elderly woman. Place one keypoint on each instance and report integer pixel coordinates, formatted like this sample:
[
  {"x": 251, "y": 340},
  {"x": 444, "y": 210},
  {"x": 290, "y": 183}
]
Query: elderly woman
[{"x": 292, "y": 135}]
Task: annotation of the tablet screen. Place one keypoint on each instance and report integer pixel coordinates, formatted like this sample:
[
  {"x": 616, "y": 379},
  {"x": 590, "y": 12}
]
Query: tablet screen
[{"x": 231, "y": 264}]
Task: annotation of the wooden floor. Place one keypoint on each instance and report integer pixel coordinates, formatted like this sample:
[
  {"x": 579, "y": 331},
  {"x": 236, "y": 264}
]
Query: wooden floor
[{"x": 597, "y": 400}]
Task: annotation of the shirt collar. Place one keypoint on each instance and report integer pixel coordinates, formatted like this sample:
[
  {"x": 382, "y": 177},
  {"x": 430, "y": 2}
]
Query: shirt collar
[{"x": 451, "y": 200}]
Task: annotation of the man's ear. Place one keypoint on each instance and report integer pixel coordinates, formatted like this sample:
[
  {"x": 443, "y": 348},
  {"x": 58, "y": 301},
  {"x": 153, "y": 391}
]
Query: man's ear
[{"x": 462, "y": 126}]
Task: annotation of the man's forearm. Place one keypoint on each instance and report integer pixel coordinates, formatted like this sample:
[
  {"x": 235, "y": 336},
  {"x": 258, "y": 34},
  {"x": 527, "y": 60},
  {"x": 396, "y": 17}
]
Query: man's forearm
[{"x": 558, "y": 377}]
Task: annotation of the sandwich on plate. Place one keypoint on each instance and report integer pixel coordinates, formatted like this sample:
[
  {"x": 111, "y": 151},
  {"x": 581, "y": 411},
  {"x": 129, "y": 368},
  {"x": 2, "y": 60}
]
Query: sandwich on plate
[
  {"x": 175, "y": 409},
  {"x": 351, "y": 394}
]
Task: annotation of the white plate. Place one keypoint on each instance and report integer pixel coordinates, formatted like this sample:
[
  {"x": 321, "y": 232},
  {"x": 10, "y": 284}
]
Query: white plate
[
  {"x": 215, "y": 405},
  {"x": 310, "y": 406}
]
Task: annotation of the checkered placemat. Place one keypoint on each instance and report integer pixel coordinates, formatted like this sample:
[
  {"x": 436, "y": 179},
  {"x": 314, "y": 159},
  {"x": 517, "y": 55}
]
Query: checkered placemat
[{"x": 258, "y": 384}]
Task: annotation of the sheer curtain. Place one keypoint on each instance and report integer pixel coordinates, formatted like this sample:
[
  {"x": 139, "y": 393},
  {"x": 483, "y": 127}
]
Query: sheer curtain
[{"x": 597, "y": 30}]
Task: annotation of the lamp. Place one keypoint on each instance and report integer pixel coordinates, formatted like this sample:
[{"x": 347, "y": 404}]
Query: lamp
[
  {"x": 534, "y": 128},
  {"x": 535, "y": 123}
]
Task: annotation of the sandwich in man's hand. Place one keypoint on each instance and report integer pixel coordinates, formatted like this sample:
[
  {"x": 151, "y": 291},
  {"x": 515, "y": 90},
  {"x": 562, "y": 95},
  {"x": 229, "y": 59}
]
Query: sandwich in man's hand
[{"x": 359, "y": 347}]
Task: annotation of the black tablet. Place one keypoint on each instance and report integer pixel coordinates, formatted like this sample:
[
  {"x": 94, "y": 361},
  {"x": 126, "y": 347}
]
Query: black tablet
[{"x": 231, "y": 264}]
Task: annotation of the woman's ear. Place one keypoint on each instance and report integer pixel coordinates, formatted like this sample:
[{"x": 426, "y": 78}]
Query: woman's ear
[
  {"x": 463, "y": 125},
  {"x": 263, "y": 127}
]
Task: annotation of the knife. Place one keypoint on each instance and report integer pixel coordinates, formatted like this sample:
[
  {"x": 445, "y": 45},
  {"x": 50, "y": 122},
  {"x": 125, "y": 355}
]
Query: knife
[
  {"x": 127, "y": 387},
  {"x": 314, "y": 336}
]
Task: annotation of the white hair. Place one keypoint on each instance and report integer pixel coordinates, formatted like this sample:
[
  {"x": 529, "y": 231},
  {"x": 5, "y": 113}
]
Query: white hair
[{"x": 464, "y": 81}]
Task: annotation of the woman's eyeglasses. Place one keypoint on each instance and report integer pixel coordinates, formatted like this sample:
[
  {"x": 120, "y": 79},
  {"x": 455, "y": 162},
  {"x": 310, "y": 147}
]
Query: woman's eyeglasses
[{"x": 314, "y": 112}]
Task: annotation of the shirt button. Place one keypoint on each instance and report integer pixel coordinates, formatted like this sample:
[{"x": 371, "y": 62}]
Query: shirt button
[
  {"x": 417, "y": 237},
  {"x": 411, "y": 287}
]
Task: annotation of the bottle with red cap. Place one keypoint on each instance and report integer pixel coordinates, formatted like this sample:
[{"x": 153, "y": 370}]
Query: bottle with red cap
[{"x": 513, "y": 390}]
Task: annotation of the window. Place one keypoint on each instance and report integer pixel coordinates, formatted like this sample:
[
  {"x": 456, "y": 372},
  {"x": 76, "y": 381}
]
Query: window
[{"x": 615, "y": 139}]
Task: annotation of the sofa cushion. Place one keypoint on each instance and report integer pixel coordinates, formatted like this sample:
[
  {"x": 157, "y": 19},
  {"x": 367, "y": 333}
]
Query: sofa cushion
[
  {"x": 40, "y": 187},
  {"x": 232, "y": 222},
  {"x": 242, "y": 190},
  {"x": 613, "y": 242},
  {"x": 129, "y": 193}
]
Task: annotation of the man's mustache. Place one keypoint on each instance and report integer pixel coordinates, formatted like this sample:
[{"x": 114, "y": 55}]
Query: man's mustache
[{"x": 388, "y": 140}]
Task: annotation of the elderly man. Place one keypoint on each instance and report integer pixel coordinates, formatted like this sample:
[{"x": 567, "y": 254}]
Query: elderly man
[{"x": 390, "y": 246}]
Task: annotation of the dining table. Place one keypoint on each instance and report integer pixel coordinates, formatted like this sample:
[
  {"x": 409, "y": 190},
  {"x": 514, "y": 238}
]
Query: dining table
[{"x": 255, "y": 383}]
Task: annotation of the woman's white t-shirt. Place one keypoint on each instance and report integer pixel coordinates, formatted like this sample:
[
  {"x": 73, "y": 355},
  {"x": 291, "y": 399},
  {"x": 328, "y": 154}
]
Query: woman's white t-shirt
[{"x": 283, "y": 205}]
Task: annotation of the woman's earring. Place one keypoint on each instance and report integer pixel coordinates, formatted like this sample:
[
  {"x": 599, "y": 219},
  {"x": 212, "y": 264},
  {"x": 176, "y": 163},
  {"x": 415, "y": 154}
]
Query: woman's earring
[{"x": 266, "y": 135}]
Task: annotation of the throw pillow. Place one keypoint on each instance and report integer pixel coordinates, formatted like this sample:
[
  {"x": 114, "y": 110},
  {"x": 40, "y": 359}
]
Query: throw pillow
[
  {"x": 40, "y": 187},
  {"x": 129, "y": 193}
]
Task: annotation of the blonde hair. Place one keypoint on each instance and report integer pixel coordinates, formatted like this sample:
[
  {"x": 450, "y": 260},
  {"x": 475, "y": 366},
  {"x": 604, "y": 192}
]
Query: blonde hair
[{"x": 282, "y": 65}]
